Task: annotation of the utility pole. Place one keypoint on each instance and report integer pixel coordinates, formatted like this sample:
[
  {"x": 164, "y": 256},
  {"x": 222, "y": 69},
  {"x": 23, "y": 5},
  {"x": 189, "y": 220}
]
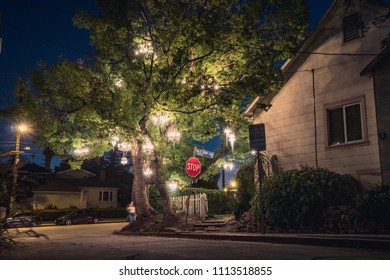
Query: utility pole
[
  {"x": 19, "y": 129},
  {"x": 15, "y": 173}
]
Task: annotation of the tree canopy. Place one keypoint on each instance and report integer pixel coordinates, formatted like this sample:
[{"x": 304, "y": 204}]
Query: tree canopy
[{"x": 161, "y": 67}]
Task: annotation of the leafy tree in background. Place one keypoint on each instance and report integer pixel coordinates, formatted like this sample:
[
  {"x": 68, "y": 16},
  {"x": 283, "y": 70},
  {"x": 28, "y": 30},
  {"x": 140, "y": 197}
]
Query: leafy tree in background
[
  {"x": 197, "y": 63},
  {"x": 210, "y": 183}
]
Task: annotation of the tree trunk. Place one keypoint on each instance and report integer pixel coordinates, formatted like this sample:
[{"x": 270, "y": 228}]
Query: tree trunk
[
  {"x": 165, "y": 199},
  {"x": 139, "y": 184},
  {"x": 162, "y": 188},
  {"x": 155, "y": 178}
]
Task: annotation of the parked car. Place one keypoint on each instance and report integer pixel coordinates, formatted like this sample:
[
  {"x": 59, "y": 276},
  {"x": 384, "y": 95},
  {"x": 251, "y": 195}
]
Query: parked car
[
  {"x": 84, "y": 216},
  {"x": 26, "y": 219}
]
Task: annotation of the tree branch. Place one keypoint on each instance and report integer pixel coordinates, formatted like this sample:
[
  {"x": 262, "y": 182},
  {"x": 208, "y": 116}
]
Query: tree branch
[{"x": 190, "y": 112}]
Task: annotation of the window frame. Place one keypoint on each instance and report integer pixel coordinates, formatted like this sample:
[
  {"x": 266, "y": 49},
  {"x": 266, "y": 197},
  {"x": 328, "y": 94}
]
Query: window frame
[
  {"x": 363, "y": 121},
  {"x": 109, "y": 198}
]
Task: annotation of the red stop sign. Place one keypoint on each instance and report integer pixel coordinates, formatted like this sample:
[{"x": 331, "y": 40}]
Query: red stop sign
[{"x": 193, "y": 167}]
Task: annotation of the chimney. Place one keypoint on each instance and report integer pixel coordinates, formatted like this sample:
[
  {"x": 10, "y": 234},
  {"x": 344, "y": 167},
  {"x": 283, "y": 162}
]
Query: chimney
[{"x": 102, "y": 175}]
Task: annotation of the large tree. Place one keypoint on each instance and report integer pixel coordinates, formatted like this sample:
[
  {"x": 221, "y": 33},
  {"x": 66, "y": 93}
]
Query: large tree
[{"x": 162, "y": 66}]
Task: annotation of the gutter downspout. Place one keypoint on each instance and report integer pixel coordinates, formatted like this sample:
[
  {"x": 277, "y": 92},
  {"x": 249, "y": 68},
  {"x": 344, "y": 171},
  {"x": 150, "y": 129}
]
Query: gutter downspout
[{"x": 315, "y": 120}]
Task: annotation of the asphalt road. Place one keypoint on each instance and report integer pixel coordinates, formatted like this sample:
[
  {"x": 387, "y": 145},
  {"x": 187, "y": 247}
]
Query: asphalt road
[{"x": 96, "y": 242}]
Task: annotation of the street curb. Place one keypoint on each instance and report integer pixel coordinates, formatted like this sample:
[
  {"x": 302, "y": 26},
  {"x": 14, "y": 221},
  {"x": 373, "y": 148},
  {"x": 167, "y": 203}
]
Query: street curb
[{"x": 372, "y": 243}]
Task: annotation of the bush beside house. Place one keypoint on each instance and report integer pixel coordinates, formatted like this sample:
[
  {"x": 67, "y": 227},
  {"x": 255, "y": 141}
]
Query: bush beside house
[
  {"x": 374, "y": 210},
  {"x": 312, "y": 199},
  {"x": 50, "y": 215},
  {"x": 318, "y": 200}
]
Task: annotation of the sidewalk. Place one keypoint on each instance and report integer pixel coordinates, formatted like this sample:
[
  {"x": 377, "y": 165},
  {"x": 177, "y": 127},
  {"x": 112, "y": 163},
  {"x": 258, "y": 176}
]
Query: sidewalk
[{"x": 363, "y": 241}]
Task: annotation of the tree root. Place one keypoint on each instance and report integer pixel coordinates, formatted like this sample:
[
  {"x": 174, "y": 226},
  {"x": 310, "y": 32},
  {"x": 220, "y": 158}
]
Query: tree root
[{"x": 156, "y": 223}]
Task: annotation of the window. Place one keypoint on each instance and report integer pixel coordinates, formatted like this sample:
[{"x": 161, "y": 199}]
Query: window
[
  {"x": 345, "y": 123},
  {"x": 351, "y": 27},
  {"x": 105, "y": 196}
]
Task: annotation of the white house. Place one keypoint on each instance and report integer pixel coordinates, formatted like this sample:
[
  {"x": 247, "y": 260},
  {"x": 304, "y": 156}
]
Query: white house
[
  {"x": 77, "y": 188},
  {"x": 333, "y": 110}
]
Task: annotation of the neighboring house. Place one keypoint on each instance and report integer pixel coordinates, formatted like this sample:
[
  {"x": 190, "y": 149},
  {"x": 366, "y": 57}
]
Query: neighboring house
[
  {"x": 29, "y": 175},
  {"x": 77, "y": 188},
  {"x": 333, "y": 110},
  {"x": 34, "y": 174}
]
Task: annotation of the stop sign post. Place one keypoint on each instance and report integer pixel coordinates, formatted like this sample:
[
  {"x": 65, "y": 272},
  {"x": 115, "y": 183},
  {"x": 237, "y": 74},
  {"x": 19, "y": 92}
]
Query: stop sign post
[{"x": 193, "y": 167}]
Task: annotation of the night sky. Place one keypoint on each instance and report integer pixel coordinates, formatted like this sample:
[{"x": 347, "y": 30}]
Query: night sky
[{"x": 42, "y": 30}]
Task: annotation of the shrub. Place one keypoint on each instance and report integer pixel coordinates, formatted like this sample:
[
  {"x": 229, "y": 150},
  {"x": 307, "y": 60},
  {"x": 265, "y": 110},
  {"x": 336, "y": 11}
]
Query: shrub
[
  {"x": 50, "y": 215},
  {"x": 300, "y": 198},
  {"x": 108, "y": 213},
  {"x": 374, "y": 209},
  {"x": 50, "y": 206},
  {"x": 113, "y": 213}
]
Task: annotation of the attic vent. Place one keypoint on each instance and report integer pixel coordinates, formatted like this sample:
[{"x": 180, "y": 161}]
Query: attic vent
[{"x": 351, "y": 27}]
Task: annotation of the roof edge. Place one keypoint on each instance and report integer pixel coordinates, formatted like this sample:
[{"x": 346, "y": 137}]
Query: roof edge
[
  {"x": 375, "y": 62},
  {"x": 251, "y": 108},
  {"x": 310, "y": 37},
  {"x": 70, "y": 170}
]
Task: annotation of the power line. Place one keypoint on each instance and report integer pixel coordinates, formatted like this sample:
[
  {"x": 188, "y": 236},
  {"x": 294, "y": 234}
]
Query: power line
[
  {"x": 339, "y": 54},
  {"x": 47, "y": 39}
]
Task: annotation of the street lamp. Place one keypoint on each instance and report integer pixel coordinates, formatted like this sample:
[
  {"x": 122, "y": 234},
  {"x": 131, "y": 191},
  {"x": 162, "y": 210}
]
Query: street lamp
[{"x": 20, "y": 128}]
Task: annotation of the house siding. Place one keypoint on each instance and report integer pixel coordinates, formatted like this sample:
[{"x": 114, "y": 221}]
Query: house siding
[
  {"x": 59, "y": 200},
  {"x": 93, "y": 197},
  {"x": 76, "y": 188},
  {"x": 290, "y": 123}
]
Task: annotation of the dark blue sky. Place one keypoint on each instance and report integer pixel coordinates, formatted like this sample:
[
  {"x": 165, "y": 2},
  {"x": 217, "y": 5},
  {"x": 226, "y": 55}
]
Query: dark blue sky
[{"x": 35, "y": 30}]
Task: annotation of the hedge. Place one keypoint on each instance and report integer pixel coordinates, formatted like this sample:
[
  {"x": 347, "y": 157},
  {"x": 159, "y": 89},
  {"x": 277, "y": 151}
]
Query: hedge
[
  {"x": 374, "y": 209},
  {"x": 108, "y": 213},
  {"x": 301, "y": 198}
]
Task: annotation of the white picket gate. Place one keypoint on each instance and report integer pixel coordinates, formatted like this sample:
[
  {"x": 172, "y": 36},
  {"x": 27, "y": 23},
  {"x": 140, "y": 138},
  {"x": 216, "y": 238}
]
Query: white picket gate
[{"x": 197, "y": 204}]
